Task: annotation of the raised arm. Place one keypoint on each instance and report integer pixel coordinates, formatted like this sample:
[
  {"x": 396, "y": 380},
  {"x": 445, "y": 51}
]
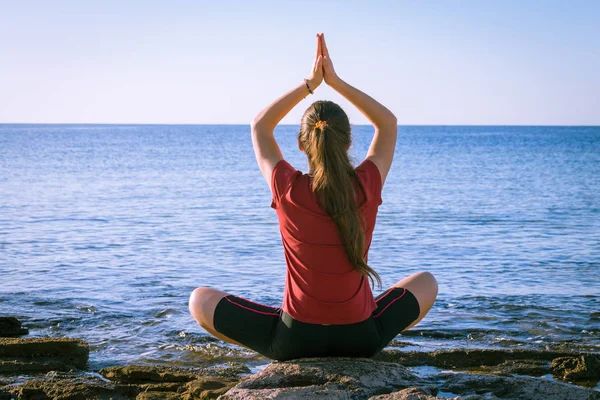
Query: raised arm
[
  {"x": 381, "y": 151},
  {"x": 263, "y": 141}
]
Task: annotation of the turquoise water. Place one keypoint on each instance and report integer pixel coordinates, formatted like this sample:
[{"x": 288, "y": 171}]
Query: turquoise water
[{"x": 106, "y": 229}]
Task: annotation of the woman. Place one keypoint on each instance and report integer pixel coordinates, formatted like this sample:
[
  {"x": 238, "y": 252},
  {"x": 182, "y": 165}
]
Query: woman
[{"x": 326, "y": 218}]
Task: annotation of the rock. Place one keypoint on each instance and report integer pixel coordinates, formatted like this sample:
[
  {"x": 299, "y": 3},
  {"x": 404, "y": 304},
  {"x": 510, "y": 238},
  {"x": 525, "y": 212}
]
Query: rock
[
  {"x": 158, "y": 396},
  {"x": 231, "y": 369},
  {"x": 5, "y": 394},
  {"x": 513, "y": 387},
  {"x": 208, "y": 388},
  {"x": 136, "y": 383},
  {"x": 42, "y": 354},
  {"x": 582, "y": 368},
  {"x": 143, "y": 374},
  {"x": 332, "y": 378},
  {"x": 521, "y": 367},
  {"x": 71, "y": 388},
  {"x": 138, "y": 374},
  {"x": 462, "y": 358},
  {"x": 172, "y": 382},
  {"x": 406, "y": 394},
  {"x": 10, "y": 326}
]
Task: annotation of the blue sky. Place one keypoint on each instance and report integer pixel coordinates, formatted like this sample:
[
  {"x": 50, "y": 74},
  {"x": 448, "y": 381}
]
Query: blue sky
[{"x": 437, "y": 62}]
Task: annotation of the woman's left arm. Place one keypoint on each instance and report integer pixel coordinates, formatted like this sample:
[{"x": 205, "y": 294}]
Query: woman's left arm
[{"x": 265, "y": 146}]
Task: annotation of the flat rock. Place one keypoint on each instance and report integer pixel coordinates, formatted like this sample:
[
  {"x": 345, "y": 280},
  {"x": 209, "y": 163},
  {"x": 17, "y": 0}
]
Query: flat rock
[
  {"x": 143, "y": 374},
  {"x": 84, "y": 386},
  {"x": 42, "y": 354},
  {"x": 73, "y": 388},
  {"x": 406, "y": 394},
  {"x": 463, "y": 358},
  {"x": 521, "y": 367},
  {"x": 10, "y": 327},
  {"x": 138, "y": 374},
  {"x": 324, "y": 378},
  {"x": 512, "y": 387}
]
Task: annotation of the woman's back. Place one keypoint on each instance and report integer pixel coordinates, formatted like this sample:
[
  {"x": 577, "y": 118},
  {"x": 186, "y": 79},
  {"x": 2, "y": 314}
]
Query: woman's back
[
  {"x": 326, "y": 221},
  {"x": 321, "y": 286}
]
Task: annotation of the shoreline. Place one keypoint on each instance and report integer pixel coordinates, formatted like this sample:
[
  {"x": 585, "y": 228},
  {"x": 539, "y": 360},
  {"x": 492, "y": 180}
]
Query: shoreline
[{"x": 58, "y": 368}]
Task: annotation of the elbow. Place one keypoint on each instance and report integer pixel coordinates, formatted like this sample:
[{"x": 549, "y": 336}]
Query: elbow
[
  {"x": 390, "y": 123},
  {"x": 256, "y": 124},
  {"x": 393, "y": 121},
  {"x": 259, "y": 126}
]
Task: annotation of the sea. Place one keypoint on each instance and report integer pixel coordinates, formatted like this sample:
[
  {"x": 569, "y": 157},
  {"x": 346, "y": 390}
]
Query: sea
[{"x": 105, "y": 230}]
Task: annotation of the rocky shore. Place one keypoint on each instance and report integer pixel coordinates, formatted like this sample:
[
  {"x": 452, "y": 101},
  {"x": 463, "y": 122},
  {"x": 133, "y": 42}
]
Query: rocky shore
[{"x": 48, "y": 368}]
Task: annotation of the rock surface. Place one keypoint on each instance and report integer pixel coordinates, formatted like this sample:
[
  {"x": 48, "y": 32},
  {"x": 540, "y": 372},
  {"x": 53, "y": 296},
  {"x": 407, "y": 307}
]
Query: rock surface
[
  {"x": 516, "y": 387},
  {"x": 476, "y": 375},
  {"x": 406, "y": 394},
  {"x": 343, "y": 378},
  {"x": 10, "y": 327},
  {"x": 463, "y": 358},
  {"x": 326, "y": 378},
  {"x": 132, "y": 382},
  {"x": 42, "y": 355},
  {"x": 584, "y": 367}
]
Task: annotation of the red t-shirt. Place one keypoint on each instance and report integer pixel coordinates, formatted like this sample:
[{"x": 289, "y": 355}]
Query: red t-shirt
[{"x": 321, "y": 287}]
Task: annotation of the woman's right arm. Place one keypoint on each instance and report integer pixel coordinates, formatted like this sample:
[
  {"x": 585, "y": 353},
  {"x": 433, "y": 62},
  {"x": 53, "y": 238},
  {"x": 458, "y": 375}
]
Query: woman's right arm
[{"x": 381, "y": 151}]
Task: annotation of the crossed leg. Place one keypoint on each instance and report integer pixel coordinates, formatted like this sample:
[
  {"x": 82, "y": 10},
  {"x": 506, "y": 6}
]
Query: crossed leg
[
  {"x": 203, "y": 302},
  {"x": 424, "y": 287}
]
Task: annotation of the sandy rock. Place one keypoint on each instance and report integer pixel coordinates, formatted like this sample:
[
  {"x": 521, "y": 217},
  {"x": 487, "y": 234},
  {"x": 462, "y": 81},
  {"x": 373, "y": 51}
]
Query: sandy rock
[
  {"x": 174, "y": 383},
  {"x": 138, "y": 374},
  {"x": 582, "y": 368},
  {"x": 143, "y": 374},
  {"x": 42, "y": 354},
  {"x": 324, "y": 378},
  {"x": 73, "y": 388},
  {"x": 10, "y": 327},
  {"x": 515, "y": 387},
  {"x": 462, "y": 358},
  {"x": 208, "y": 388}
]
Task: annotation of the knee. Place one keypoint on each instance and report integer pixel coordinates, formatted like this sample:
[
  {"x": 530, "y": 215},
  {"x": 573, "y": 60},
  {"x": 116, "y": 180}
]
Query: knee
[
  {"x": 429, "y": 280},
  {"x": 198, "y": 296}
]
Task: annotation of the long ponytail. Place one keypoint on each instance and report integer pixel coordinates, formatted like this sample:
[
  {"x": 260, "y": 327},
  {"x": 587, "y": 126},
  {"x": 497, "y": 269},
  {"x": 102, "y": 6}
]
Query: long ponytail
[{"x": 326, "y": 144}]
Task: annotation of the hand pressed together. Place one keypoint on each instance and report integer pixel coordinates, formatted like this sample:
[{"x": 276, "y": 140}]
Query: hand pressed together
[{"x": 322, "y": 67}]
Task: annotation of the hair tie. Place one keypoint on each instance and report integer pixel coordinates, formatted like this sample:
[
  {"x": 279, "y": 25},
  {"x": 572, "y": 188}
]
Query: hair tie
[{"x": 321, "y": 124}]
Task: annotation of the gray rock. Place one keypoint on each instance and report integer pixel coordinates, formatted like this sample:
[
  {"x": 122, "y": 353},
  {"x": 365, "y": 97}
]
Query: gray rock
[
  {"x": 10, "y": 327},
  {"x": 464, "y": 358},
  {"x": 406, "y": 394},
  {"x": 513, "y": 387},
  {"x": 324, "y": 378}
]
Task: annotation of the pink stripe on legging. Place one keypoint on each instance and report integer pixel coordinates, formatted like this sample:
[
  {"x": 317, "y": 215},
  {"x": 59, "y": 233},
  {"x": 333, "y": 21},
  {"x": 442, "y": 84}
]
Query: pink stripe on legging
[
  {"x": 248, "y": 308},
  {"x": 391, "y": 302},
  {"x": 382, "y": 297}
]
